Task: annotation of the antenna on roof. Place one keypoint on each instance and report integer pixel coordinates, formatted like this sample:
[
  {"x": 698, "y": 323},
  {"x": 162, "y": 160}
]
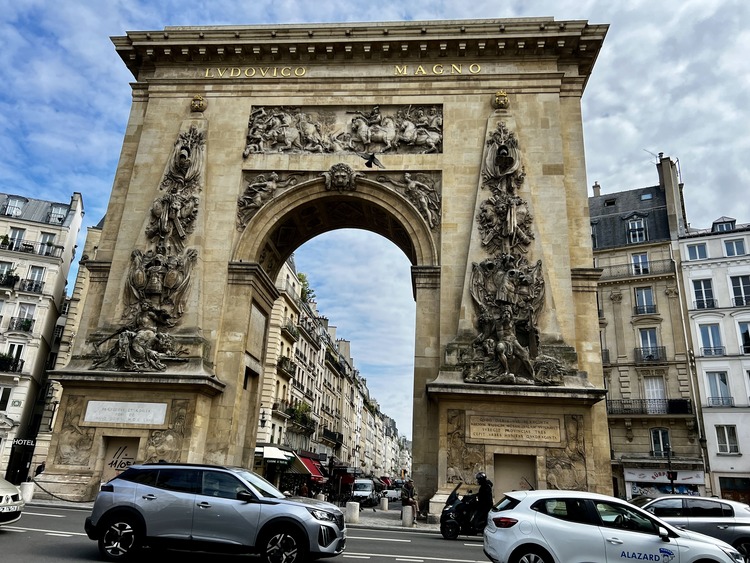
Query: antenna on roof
[{"x": 656, "y": 158}]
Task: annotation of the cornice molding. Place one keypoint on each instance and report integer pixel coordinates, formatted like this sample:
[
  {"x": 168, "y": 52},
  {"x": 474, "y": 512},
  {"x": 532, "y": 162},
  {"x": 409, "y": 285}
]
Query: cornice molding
[{"x": 571, "y": 42}]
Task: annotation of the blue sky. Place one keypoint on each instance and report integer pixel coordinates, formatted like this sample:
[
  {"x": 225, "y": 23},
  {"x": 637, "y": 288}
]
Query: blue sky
[{"x": 673, "y": 77}]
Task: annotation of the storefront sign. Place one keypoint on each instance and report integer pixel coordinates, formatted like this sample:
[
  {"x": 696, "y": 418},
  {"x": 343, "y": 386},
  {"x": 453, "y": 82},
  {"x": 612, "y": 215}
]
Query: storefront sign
[
  {"x": 660, "y": 476},
  {"x": 126, "y": 413},
  {"x": 506, "y": 428},
  {"x": 19, "y": 442}
]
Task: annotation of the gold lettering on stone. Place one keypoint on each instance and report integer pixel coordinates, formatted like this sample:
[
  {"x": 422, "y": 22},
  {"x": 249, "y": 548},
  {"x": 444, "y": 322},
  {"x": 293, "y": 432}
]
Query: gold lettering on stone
[
  {"x": 251, "y": 71},
  {"x": 505, "y": 428}
]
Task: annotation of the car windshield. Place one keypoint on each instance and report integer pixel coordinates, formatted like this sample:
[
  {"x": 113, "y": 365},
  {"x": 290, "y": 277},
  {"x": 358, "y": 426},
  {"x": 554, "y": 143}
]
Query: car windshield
[
  {"x": 362, "y": 487},
  {"x": 265, "y": 488},
  {"x": 640, "y": 501}
]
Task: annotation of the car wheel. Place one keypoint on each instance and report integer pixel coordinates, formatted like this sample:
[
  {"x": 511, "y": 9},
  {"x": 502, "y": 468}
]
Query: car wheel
[
  {"x": 530, "y": 555},
  {"x": 121, "y": 538},
  {"x": 450, "y": 529},
  {"x": 743, "y": 546},
  {"x": 284, "y": 545}
]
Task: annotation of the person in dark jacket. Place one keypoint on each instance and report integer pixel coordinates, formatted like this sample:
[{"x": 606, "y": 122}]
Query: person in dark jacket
[{"x": 484, "y": 499}]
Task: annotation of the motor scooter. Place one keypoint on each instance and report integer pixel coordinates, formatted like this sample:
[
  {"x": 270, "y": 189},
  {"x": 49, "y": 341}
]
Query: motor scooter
[{"x": 459, "y": 515}]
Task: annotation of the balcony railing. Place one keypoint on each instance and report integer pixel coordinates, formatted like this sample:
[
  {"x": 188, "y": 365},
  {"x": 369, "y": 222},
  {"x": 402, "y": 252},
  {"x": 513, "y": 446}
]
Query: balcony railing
[
  {"x": 740, "y": 301},
  {"x": 291, "y": 330},
  {"x": 637, "y": 270},
  {"x": 13, "y": 365},
  {"x": 32, "y": 247},
  {"x": 20, "y": 323},
  {"x": 715, "y": 351},
  {"x": 649, "y": 406},
  {"x": 8, "y": 280},
  {"x": 644, "y": 310},
  {"x": 333, "y": 437},
  {"x": 705, "y": 304},
  {"x": 286, "y": 365},
  {"x": 32, "y": 286},
  {"x": 605, "y": 356},
  {"x": 721, "y": 401},
  {"x": 653, "y": 354}
]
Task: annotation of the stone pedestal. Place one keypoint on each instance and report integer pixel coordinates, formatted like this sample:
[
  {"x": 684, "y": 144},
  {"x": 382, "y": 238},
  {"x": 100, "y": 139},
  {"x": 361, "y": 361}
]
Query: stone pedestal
[{"x": 352, "y": 513}]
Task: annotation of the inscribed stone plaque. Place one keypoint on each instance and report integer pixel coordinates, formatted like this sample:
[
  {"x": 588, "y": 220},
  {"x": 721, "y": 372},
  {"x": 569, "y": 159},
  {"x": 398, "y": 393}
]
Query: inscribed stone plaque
[
  {"x": 126, "y": 413},
  {"x": 506, "y": 428}
]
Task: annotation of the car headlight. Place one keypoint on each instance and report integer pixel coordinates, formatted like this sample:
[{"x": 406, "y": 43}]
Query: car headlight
[
  {"x": 322, "y": 515},
  {"x": 733, "y": 554}
]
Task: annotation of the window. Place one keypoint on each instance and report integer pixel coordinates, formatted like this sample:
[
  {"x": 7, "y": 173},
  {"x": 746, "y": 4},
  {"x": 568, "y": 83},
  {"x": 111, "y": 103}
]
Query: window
[
  {"x": 718, "y": 389},
  {"x": 667, "y": 507},
  {"x": 57, "y": 215},
  {"x": 656, "y": 398},
  {"x": 660, "y": 441},
  {"x": 735, "y": 247},
  {"x": 647, "y": 196},
  {"x": 46, "y": 242},
  {"x": 704, "y": 294},
  {"x": 15, "y": 206},
  {"x": 741, "y": 291},
  {"x": 593, "y": 236},
  {"x": 723, "y": 226},
  {"x": 711, "y": 340},
  {"x": 4, "y": 397},
  {"x": 644, "y": 301},
  {"x": 179, "y": 480},
  {"x": 569, "y": 509},
  {"x": 697, "y": 251},
  {"x": 640, "y": 264},
  {"x": 16, "y": 238},
  {"x": 222, "y": 485},
  {"x": 622, "y": 517},
  {"x": 745, "y": 337},
  {"x": 636, "y": 230},
  {"x": 701, "y": 508},
  {"x": 726, "y": 436},
  {"x": 609, "y": 202}
]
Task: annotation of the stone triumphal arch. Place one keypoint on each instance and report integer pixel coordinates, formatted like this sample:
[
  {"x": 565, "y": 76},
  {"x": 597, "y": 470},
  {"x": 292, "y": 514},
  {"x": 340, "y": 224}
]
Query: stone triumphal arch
[{"x": 244, "y": 142}]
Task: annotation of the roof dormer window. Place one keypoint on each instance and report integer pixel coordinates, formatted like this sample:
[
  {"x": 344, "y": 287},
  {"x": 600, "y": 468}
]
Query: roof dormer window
[
  {"x": 723, "y": 225},
  {"x": 14, "y": 208}
]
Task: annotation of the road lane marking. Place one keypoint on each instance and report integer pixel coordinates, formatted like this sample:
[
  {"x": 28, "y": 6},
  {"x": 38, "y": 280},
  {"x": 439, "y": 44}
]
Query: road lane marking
[
  {"x": 57, "y": 534},
  {"x": 357, "y": 556},
  {"x": 376, "y": 539},
  {"x": 401, "y": 558},
  {"x": 41, "y": 514},
  {"x": 19, "y": 529},
  {"x": 412, "y": 560}
]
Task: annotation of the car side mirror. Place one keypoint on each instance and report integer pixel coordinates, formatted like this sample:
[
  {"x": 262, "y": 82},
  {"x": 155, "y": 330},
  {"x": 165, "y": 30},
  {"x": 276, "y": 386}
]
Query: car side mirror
[
  {"x": 663, "y": 534},
  {"x": 245, "y": 496}
]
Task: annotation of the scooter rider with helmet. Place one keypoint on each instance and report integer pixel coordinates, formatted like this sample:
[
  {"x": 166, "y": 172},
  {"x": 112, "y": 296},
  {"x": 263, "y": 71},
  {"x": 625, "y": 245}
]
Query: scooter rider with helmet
[{"x": 484, "y": 498}]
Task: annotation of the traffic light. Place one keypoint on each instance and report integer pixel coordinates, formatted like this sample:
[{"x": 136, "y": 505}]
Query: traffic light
[{"x": 672, "y": 475}]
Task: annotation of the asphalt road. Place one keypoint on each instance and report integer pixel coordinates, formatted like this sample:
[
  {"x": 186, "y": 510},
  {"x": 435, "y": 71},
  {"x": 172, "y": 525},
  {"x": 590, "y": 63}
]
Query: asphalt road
[{"x": 50, "y": 534}]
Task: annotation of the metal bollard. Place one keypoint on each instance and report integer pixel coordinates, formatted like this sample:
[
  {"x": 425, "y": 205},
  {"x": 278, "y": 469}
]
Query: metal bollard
[
  {"x": 407, "y": 516},
  {"x": 352, "y": 513}
]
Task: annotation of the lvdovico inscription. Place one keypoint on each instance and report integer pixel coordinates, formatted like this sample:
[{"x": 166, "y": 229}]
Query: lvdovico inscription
[{"x": 505, "y": 428}]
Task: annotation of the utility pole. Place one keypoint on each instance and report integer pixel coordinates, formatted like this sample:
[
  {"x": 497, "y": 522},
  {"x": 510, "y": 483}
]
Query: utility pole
[{"x": 671, "y": 475}]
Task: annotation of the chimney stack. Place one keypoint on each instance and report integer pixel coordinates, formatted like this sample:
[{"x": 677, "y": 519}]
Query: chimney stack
[{"x": 597, "y": 189}]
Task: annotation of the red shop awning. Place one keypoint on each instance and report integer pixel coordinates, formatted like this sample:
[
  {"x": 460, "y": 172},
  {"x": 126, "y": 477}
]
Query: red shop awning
[{"x": 313, "y": 466}]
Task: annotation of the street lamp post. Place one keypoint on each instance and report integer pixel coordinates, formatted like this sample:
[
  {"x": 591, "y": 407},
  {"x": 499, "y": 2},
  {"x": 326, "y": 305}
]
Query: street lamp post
[{"x": 670, "y": 473}]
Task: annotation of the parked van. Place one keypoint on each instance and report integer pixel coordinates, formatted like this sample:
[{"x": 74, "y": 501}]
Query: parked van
[{"x": 365, "y": 493}]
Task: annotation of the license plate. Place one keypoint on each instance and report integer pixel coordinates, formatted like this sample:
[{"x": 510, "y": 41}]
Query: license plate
[{"x": 8, "y": 509}]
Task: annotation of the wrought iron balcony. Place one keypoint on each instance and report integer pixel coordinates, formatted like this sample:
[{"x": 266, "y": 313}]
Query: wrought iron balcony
[
  {"x": 333, "y": 437},
  {"x": 286, "y": 365},
  {"x": 290, "y": 329},
  {"x": 10, "y": 364},
  {"x": 8, "y": 280},
  {"x": 715, "y": 351},
  {"x": 20, "y": 323},
  {"x": 653, "y": 354},
  {"x": 706, "y": 304},
  {"x": 649, "y": 406},
  {"x": 637, "y": 270},
  {"x": 644, "y": 310},
  {"x": 32, "y": 286},
  {"x": 721, "y": 401},
  {"x": 32, "y": 247},
  {"x": 741, "y": 301}
]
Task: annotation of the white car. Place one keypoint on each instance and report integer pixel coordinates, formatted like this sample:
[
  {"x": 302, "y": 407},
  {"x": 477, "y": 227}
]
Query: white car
[
  {"x": 392, "y": 494},
  {"x": 11, "y": 502},
  {"x": 554, "y": 526}
]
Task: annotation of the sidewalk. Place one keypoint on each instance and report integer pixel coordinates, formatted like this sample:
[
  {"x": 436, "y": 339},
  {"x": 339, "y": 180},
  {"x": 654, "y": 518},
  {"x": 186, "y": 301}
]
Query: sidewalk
[{"x": 368, "y": 517}]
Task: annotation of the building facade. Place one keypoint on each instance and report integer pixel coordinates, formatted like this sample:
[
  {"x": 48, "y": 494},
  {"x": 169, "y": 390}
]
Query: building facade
[
  {"x": 37, "y": 247},
  {"x": 653, "y": 417},
  {"x": 716, "y": 278}
]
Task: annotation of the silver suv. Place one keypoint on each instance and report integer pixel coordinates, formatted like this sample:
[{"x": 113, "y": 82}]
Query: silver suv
[
  {"x": 211, "y": 508},
  {"x": 723, "y": 519}
]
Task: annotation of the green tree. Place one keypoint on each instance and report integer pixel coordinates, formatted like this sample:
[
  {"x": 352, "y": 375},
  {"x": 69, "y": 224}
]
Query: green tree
[{"x": 306, "y": 292}]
